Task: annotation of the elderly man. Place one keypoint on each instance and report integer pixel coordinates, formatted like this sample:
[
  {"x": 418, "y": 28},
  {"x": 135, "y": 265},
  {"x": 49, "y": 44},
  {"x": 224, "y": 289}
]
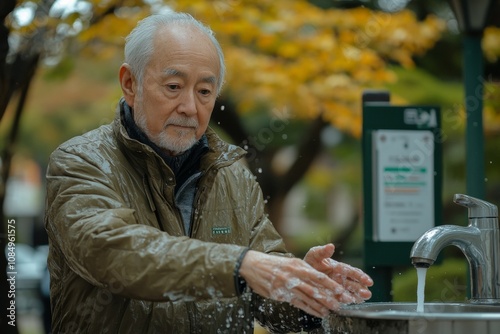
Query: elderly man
[{"x": 156, "y": 225}]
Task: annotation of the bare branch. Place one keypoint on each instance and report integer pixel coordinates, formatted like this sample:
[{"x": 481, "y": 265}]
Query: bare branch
[{"x": 226, "y": 117}]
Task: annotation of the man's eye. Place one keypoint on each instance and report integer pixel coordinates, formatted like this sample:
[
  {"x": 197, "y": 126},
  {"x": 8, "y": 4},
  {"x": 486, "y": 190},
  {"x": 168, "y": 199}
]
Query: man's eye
[
  {"x": 205, "y": 92},
  {"x": 173, "y": 86}
]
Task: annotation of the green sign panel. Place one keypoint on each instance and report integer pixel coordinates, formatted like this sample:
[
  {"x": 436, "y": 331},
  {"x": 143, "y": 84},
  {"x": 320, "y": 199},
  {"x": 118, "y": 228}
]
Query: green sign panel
[{"x": 402, "y": 181}]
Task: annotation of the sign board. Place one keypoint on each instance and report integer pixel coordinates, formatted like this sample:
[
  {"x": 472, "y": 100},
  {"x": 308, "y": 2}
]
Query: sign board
[
  {"x": 402, "y": 176},
  {"x": 403, "y": 165}
]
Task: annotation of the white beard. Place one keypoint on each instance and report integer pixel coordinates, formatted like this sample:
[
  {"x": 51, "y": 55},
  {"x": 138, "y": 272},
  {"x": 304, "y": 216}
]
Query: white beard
[{"x": 181, "y": 142}]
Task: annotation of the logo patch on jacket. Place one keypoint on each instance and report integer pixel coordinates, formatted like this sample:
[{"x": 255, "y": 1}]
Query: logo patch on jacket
[{"x": 221, "y": 230}]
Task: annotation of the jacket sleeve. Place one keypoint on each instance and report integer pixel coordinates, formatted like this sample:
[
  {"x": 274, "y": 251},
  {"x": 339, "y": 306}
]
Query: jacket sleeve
[
  {"x": 101, "y": 241},
  {"x": 277, "y": 317},
  {"x": 280, "y": 317}
]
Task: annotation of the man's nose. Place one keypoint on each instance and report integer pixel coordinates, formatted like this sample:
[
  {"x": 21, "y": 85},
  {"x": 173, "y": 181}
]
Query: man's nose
[{"x": 187, "y": 103}]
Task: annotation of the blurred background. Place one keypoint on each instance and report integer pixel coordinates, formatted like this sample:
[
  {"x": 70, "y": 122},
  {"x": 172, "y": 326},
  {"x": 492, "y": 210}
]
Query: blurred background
[{"x": 295, "y": 74}]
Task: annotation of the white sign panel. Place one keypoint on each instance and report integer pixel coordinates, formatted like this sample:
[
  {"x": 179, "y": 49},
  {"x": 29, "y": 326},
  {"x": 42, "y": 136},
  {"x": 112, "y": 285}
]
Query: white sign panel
[{"x": 403, "y": 184}]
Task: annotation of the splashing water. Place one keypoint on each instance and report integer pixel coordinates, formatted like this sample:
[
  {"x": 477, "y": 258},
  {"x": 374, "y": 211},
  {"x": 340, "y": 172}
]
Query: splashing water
[
  {"x": 178, "y": 296},
  {"x": 421, "y": 273}
]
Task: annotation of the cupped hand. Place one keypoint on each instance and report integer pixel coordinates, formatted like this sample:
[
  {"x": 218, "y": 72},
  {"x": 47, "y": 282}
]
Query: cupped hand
[
  {"x": 294, "y": 281},
  {"x": 352, "y": 279}
]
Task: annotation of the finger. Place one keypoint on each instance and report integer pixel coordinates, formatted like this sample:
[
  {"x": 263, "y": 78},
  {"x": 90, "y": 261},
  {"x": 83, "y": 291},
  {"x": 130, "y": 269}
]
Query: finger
[
  {"x": 301, "y": 296},
  {"x": 347, "y": 297},
  {"x": 351, "y": 292},
  {"x": 318, "y": 253},
  {"x": 358, "y": 291},
  {"x": 326, "y": 290},
  {"x": 346, "y": 271},
  {"x": 321, "y": 313},
  {"x": 320, "y": 298}
]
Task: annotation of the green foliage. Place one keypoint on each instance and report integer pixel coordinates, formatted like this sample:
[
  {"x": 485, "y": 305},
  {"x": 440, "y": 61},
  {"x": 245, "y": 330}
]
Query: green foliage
[
  {"x": 275, "y": 131},
  {"x": 421, "y": 87},
  {"x": 61, "y": 71},
  {"x": 316, "y": 204}
]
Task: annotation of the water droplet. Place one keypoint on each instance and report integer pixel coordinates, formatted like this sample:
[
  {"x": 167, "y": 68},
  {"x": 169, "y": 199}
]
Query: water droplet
[
  {"x": 485, "y": 179},
  {"x": 491, "y": 162},
  {"x": 259, "y": 170},
  {"x": 222, "y": 107},
  {"x": 284, "y": 136}
]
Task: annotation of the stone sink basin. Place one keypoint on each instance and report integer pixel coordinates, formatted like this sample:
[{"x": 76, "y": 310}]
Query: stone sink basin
[{"x": 403, "y": 318}]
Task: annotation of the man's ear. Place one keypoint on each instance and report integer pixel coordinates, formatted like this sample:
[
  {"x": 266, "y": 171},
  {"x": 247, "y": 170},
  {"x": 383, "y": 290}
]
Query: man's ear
[{"x": 128, "y": 84}]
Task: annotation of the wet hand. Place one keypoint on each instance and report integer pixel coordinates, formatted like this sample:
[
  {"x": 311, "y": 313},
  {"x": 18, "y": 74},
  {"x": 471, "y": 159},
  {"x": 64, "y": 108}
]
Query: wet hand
[
  {"x": 352, "y": 279},
  {"x": 294, "y": 281}
]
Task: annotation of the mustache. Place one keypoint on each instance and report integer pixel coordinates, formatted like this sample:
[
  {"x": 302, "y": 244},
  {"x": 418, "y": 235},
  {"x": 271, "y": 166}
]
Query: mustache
[{"x": 184, "y": 121}]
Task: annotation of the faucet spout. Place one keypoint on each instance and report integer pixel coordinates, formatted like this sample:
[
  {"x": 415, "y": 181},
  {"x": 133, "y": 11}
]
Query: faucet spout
[
  {"x": 427, "y": 248},
  {"x": 479, "y": 241}
]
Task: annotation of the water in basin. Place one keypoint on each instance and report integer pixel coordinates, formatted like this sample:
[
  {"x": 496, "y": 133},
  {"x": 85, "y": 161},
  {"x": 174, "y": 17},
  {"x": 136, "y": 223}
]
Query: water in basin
[
  {"x": 462, "y": 311},
  {"x": 403, "y": 318}
]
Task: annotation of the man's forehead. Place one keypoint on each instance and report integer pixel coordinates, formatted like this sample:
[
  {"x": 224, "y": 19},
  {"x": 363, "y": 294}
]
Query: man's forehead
[
  {"x": 181, "y": 31},
  {"x": 174, "y": 72}
]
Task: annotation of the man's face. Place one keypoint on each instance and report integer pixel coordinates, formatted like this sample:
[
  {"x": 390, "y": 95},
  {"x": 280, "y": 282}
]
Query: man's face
[{"x": 179, "y": 89}]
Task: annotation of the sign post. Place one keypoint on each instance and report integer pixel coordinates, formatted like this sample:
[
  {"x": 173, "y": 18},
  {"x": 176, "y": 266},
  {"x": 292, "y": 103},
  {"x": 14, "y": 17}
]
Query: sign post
[{"x": 402, "y": 184}]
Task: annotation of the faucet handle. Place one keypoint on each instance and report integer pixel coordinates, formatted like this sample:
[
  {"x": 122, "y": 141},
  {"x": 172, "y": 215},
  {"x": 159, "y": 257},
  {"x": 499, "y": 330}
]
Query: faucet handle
[{"x": 477, "y": 208}]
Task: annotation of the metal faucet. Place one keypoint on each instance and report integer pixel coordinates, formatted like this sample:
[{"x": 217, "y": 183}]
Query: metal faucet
[{"x": 479, "y": 241}]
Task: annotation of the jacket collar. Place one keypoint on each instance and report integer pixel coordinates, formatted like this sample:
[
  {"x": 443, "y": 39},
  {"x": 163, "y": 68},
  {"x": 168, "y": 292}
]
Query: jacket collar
[
  {"x": 216, "y": 153},
  {"x": 183, "y": 165}
]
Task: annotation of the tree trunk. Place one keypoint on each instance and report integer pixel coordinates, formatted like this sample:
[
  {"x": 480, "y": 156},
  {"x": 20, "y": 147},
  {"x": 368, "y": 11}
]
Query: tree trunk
[
  {"x": 6, "y": 6},
  {"x": 274, "y": 187},
  {"x": 7, "y": 155},
  {"x": 24, "y": 69}
]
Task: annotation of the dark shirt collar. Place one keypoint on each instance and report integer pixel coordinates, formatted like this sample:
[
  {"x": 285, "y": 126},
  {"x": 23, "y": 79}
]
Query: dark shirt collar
[{"x": 183, "y": 165}]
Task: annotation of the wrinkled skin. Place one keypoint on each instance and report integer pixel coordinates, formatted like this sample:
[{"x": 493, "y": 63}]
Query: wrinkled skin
[
  {"x": 178, "y": 91},
  {"x": 316, "y": 285}
]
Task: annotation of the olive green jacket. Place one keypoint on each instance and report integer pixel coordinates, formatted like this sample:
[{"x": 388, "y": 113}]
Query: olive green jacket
[{"x": 119, "y": 258}]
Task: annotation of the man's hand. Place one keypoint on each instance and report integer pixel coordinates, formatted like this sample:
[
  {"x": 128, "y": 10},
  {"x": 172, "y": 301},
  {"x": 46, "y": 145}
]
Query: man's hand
[
  {"x": 295, "y": 281},
  {"x": 352, "y": 279}
]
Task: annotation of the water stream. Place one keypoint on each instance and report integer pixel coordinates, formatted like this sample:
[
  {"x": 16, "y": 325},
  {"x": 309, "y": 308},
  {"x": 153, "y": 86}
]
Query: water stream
[{"x": 421, "y": 273}]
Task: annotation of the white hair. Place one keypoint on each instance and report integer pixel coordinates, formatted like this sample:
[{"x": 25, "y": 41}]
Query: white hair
[{"x": 139, "y": 44}]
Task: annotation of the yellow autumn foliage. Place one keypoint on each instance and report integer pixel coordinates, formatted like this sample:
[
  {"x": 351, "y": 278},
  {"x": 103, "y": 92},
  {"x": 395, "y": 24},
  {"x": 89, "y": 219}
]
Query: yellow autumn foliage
[
  {"x": 313, "y": 61},
  {"x": 286, "y": 53},
  {"x": 491, "y": 43}
]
